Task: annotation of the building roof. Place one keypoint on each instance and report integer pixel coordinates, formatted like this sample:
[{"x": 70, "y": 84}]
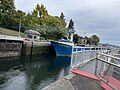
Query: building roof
[{"x": 32, "y": 32}]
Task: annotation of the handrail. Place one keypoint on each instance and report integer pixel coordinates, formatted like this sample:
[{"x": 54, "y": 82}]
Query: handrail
[
  {"x": 109, "y": 62},
  {"x": 85, "y": 51},
  {"x": 90, "y": 47},
  {"x": 108, "y": 56},
  {"x": 107, "y": 70}
]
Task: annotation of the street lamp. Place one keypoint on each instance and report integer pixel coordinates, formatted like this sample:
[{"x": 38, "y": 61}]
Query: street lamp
[{"x": 19, "y": 27}]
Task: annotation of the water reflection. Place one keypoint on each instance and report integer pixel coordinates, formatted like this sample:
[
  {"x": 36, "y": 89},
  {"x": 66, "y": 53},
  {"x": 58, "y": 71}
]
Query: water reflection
[
  {"x": 7, "y": 63},
  {"x": 32, "y": 73}
]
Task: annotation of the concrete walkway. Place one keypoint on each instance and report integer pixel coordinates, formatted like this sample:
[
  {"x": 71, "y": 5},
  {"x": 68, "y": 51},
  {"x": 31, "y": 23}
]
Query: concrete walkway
[{"x": 75, "y": 82}]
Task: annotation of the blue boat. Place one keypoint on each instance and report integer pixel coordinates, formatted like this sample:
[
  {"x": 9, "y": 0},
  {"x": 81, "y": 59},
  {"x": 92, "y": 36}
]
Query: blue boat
[
  {"x": 63, "y": 47},
  {"x": 66, "y": 47}
]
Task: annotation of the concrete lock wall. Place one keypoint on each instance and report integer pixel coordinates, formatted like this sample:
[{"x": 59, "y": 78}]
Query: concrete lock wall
[
  {"x": 30, "y": 47},
  {"x": 10, "y": 49}
]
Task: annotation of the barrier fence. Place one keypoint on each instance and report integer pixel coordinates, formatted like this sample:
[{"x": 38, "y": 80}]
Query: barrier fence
[
  {"x": 107, "y": 68},
  {"x": 79, "y": 58}
]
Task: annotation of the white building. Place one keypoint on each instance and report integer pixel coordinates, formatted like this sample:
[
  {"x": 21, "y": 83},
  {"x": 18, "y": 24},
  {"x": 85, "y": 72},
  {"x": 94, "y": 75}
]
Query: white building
[{"x": 31, "y": 35}]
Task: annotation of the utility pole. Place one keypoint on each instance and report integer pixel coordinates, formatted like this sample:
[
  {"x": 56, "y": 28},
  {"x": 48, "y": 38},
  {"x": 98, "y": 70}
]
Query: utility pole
[{"x": 19, "y": 27}]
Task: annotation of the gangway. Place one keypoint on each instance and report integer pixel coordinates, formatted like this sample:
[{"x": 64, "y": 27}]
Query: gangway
[{"x": 103, "y": 64}]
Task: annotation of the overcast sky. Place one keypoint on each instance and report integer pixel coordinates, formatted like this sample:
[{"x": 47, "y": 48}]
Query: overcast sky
[{"x": 100, "y": 17}]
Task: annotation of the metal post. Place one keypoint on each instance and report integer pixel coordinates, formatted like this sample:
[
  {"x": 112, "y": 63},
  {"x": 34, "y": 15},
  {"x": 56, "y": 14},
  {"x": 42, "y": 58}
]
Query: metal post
[
  {"x": 108, "y": 72},
  {"x": 81, "y": 55},
  {"x": 72, "y": 58},
  {"x": 107, "y": 58},
  {"x": 76, "y": 57},
  {"x": 19, "y": 27},
  {"x": 96, "y": 64}
]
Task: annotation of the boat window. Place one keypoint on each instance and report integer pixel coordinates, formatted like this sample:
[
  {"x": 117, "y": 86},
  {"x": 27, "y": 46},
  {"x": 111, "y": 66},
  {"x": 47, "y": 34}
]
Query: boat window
[{"x": 29, "y": 36}]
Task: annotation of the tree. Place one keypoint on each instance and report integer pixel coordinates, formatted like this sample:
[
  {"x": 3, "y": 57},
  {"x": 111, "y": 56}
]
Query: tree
[
  {"x": 70, "y": 29},
  {"x": 94, "y": 39},
  {"x": 49, "y": 26},
  {"x": 62, "y": 16},
  {"x": 7, "y": 13},
  {"x": 76, "y": 38},
  {"x": 71, "y": 24},
  {"x": 40, "y": 10},
  {"x": 19, "y": 16},
  {"x": 52, "y": 27}
]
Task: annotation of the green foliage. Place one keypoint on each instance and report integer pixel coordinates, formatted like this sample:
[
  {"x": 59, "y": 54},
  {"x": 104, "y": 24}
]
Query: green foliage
[
  {"x": 71, "y": 24},
  {"x": 94, "y": 39},
  {"x": 4, "y": 31},
  {"x": 52, "y": 27},
  {"x": 88, "y": 40},
  {"x": 70, "y": 29},
  {"x": 40, "y": 10},
  {"x": 76, "y": 38},
  {"x": 7, "y": 13},
  {"x": 62, "y": 16},
  {"x": 19, "y": 15},
  {"x": 55, "y": 33}
]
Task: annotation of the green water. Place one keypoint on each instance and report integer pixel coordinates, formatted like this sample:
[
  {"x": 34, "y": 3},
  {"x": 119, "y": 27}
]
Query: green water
[{"x": 32, "y": 73}]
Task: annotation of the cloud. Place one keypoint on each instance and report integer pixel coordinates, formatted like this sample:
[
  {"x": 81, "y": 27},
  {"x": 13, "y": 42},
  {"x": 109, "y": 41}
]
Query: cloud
[{"x": 101, "y": 17}]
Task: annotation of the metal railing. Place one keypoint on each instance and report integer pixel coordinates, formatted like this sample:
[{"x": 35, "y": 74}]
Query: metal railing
[
  {"x": 79, "y": 58},
  {"x": 107, "y": 68}
]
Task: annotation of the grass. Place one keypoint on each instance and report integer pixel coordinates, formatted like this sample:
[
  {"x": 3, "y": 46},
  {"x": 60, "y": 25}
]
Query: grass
[{"x": 4, "y": 31}]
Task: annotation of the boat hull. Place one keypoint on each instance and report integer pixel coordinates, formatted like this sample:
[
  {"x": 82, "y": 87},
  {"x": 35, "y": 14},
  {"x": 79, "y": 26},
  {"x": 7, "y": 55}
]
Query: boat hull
[
  {"x": 62, "y": 49},
  {"x": 66, "y": 49}
]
